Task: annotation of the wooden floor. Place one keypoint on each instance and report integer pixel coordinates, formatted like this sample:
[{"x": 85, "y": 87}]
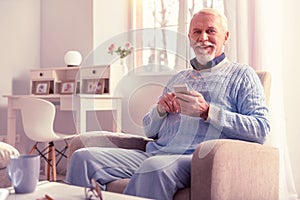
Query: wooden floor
[
  {"x": 60, "y": 174},
  {"x": 59, "y": 177}
]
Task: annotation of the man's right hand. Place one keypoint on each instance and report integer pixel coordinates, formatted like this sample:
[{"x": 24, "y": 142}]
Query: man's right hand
[{"x": 168, "y": 103}]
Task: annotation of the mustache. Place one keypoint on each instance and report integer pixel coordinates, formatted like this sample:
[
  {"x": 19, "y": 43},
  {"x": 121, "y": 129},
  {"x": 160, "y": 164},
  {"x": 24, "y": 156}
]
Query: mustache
[{"x": 204, "y": 44}]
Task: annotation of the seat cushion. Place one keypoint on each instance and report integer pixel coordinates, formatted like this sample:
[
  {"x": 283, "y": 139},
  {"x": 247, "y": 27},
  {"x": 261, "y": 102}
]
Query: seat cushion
[
  {"x": 183, "y": 194},
  {"x": 118, "y": 186}
]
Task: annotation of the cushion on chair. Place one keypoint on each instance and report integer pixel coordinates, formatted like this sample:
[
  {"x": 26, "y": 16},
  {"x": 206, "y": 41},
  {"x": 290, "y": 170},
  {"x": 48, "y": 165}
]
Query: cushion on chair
[
  {"x": 117, "y": 186},
  {"x": 183, "y": 194},
  {"x": 6, "y": 151},
  {"x": 107, "y": 139}
]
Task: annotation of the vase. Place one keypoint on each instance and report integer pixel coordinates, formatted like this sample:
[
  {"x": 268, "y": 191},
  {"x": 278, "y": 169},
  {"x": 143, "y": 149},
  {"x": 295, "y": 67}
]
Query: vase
[{"x": 124, "y": 65}]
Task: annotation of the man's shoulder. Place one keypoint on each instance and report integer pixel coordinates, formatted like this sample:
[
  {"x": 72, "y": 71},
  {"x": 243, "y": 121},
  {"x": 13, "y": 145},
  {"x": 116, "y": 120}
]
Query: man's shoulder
[
  {"x": 241, "y": 68},
  {"x": 243, "y": 74}
]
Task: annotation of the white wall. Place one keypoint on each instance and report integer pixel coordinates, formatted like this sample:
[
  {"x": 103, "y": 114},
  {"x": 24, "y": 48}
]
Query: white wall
[
  {"x": 291, "y": 72},
  {"x": 19, "y": 49},
  {"x": 110, "y": 18},
  {"x": 65, "y": 25}
]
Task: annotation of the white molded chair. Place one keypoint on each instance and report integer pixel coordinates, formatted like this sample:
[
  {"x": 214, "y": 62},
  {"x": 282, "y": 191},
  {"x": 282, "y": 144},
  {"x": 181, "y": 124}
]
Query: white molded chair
[{"x": 38, "y": 119}]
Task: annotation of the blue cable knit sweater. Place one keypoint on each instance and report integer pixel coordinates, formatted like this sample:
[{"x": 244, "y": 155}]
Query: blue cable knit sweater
[{"x": 237, "y": 110}]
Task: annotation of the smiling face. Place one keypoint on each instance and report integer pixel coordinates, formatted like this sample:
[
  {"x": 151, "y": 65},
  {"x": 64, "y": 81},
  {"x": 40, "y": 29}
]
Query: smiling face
[{"x": 208, "y": 35}]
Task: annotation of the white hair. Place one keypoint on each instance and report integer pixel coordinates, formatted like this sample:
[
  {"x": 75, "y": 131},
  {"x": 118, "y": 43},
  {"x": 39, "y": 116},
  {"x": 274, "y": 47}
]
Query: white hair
[{"x": 215, "y": 12}]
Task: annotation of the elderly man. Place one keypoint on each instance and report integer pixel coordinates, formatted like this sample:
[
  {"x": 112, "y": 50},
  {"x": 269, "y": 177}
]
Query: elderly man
[{"x": 224, "y": 100}]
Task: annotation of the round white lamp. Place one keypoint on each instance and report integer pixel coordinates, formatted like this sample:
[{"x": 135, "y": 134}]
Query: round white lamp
[{"x": 73, "y": 58}]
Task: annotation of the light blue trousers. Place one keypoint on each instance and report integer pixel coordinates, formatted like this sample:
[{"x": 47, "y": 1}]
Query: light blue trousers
[{"x": 151, "y": 176}]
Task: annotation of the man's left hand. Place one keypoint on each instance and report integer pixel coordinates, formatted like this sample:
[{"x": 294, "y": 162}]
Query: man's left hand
[{"x": 193, "y": 104}]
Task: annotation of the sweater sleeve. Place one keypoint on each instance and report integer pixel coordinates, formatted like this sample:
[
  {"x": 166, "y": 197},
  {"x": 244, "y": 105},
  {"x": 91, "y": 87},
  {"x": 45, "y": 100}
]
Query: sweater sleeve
[
  {"x": 250, "y": 121},
  {"x": 152, "y": 121}
]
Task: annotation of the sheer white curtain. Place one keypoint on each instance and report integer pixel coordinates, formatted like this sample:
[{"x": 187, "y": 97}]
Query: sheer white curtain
[{"x": 255, "y": 27}]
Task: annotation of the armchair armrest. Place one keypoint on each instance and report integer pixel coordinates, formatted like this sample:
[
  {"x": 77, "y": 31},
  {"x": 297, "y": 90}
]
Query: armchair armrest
[
  {"x": 107, "y": 139},
  {"x": 232, "y": 169}
]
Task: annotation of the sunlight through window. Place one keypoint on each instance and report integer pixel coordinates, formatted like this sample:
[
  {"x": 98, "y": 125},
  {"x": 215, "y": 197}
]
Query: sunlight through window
[{"x": 162, "y": 15}]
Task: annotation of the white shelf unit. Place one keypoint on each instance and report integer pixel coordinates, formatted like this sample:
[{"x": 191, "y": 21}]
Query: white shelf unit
[{"x": 84, "y": 79}]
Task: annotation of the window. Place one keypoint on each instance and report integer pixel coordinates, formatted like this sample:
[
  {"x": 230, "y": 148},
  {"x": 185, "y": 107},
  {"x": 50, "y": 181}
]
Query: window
[{"x": 164, "y": 45}]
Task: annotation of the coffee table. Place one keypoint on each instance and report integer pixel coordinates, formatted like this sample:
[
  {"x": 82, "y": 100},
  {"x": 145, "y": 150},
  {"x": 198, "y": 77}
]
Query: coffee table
[{"x": 59, "y": 191}]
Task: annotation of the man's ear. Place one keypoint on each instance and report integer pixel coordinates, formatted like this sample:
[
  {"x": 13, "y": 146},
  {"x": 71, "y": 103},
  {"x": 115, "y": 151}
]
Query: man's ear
[{"x": 226, "y": 37}]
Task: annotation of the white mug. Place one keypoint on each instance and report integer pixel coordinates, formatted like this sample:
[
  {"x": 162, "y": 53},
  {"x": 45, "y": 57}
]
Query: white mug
[{"x": 23, "y": 172}]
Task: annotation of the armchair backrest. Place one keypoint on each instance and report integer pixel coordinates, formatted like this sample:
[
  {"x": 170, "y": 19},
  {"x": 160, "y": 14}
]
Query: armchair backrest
[
  {"x": 265, "y": 79},
  {"x": 140, "y": 93}
]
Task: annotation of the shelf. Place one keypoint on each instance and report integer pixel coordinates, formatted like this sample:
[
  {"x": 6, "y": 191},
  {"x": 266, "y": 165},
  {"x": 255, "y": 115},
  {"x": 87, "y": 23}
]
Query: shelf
[{"x": 74, "y": 80}]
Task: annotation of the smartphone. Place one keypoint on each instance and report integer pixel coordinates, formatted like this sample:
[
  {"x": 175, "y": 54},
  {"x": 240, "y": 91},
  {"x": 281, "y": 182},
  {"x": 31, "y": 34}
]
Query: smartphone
[{"x": 181, "y": 89}]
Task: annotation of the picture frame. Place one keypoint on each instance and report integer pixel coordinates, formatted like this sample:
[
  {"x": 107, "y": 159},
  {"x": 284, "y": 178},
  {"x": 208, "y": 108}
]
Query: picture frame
[
  {"x": 68, "y": 87},
  {"x": 41, "y": 87},
  {"x": 95, "y": 86}
]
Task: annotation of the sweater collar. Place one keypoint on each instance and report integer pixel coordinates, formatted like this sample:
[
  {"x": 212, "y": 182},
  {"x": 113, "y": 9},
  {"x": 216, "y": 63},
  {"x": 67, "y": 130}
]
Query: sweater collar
[{"x": 208, "y": 65}]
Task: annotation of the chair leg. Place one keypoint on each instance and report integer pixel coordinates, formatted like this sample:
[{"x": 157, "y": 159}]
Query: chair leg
[
  {"x": 53, "y": 156},
  {"x": 51, "y": 159},
  {"x": 34, "y": 147},
  {"x": 49, "y": 162}
]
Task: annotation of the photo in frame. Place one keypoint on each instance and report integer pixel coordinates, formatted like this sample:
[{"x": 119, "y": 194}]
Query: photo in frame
[
  {"x": 68, "y": 87},
  {"x": 41, "y": 87},
  {"x": 95, "y": 86}
]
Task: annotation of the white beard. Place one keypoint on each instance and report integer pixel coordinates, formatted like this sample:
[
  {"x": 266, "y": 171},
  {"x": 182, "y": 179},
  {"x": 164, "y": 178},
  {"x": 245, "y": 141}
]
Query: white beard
[{"x": 204, "y": 57}]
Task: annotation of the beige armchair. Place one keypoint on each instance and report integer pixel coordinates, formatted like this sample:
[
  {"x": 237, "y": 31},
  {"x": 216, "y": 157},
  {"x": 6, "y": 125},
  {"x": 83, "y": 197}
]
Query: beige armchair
[{"x": 221, "y": 169}]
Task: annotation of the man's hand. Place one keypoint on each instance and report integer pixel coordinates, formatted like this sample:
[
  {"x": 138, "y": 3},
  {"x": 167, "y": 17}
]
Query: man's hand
[
  {"x": 193, "y": 104},
  {"x": 168, "y": 103}
]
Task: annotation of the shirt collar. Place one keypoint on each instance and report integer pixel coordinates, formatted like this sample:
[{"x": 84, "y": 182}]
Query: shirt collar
[{"x": 210, "y": 64}]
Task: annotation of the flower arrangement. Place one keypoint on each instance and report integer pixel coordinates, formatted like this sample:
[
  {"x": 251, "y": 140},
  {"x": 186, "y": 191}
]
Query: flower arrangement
[{"x": 122, "y": 52}]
